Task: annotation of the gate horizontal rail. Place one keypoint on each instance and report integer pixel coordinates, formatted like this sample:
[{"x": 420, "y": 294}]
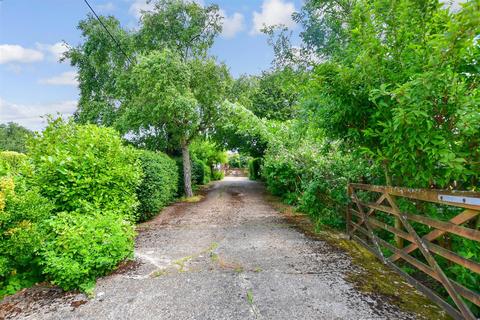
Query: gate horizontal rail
[{"x": 362, "y": 224}]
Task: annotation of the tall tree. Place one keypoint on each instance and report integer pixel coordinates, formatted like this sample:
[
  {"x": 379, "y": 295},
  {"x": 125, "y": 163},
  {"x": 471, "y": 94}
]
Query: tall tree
[
  {"x": 100, "y": 61},
  {"x": 13, "y": 137},
  {"x": 165, "y": 107},
  {"x": 182, "y": 99},
  {"x": 184, "y": 26}
]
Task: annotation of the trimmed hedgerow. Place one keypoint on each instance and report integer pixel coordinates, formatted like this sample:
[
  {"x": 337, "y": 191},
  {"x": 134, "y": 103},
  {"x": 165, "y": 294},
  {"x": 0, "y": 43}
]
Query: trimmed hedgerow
[
  {"x": 76, "y": 165},
  {"x": 159, "y": 185},
  {"x": 254, "y": 168}
]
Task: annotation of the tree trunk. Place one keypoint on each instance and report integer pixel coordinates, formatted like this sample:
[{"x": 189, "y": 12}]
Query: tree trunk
[{"x": 187, "y": 170}]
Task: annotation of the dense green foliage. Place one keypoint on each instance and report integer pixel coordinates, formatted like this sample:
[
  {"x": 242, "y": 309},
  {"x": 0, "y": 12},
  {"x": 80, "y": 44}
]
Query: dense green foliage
[
  {"x": 13, "y": 137},
  {"x": 23, "y": 215},
  {"x": 402, "y": 85},
  {"x": 13, "y": 163},
  {"x": 254, "y": 166},
  {"x": 380, "y": 92},
  {"x": 238, "y": 160},
  {"x": 390, "y": 96},
  {"x": 75, "y": 168},
  {"x": 209, "y": 152},
  {"x": 268, "y": 96},
  {"x": 84, "y": 245},
  {"x": 66, "y": 209},
  {"x": 159, "y": 185}
]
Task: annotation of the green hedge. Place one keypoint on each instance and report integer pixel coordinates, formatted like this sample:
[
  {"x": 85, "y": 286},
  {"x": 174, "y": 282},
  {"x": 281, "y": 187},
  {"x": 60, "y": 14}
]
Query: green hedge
[
  {"x": 217, "y": 175},
  {"x": 67, "y": 213},
  {"x": 23, "y": 216},
  {"x": 316, "y": 183},
  {"x": 79, "y": 165},
  {"x": 254, "y": 166},
  {"x": 159, "y": 185}
]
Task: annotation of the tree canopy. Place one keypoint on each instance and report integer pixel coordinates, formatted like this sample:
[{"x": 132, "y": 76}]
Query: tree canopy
[
  {"x": 157, "y": 85},
  {"x": 13, "y": 137}
]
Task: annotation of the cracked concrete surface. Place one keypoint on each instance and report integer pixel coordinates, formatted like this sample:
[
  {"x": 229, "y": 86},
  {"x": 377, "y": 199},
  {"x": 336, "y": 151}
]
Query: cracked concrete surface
[{"x": 230, "y": 256}]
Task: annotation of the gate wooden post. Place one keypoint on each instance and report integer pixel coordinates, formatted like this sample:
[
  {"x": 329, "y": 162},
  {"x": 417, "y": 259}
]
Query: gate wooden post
[{"x": 348, "y": 216}]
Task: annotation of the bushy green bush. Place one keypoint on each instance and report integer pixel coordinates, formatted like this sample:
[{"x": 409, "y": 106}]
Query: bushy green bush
[
  {"x": 217, "y": 175},
  {"x": 76, "y": 165},
  {"x": 254, "y": 168},
  {"x": 313, "y": 175},
  {"x": 198, "y": 171},
  {"x": 283, "y": 177},
  {"x": 159, "y": 185},
  {"x": 207, "y": 177},
  {"x": 209, "y": 152},
  {"x": 23, "y": 213},
  {"x": 13, "y": 163},
  {"x": 84, "y": 245}
]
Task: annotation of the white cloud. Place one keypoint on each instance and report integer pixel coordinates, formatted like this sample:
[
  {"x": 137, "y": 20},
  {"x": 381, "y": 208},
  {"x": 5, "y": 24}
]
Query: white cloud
[
  {"x": 232, "y": 24},
  {"x": 19, "y": 54},
  {"x": 138, "y": 6},
  {"x": 55, "y": 50},
  {"x": 455, "y": 5},
  {"x": 68, "y": 78},
  {"x": 274, "y": 12},
  {"x": 30, "y": 116},
  {"x": 106, "y": 7}
]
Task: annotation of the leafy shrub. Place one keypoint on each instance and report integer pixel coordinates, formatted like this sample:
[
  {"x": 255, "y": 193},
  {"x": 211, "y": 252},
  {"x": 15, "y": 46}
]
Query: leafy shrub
[
  {"x": 324, "y": 193},
  {"x": 84, "y": 245},
  {"x": 23, "y": 213},
  {"x": 237, "y": 161},
  {"x": 207, "y": 177},
  {"x": 283, "y": 178},
  {"x": 313, "y": 175},
  {"x": 217, "y": 175},
  {"x": 208, "y": 152},
  {"x": 13, "y": 163},
  {"x": 159, "y": 185},
  {"x": 198, "y": 171},
  {"x": 76, "y": 165},
  {"x": 254, "y": 168}
]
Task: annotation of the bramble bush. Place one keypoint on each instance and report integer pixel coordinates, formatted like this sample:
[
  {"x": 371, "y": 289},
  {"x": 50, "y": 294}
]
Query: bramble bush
[{"x": 159, "y": 185}]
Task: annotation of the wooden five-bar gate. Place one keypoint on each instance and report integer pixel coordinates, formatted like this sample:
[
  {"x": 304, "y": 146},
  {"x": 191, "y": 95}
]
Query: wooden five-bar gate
[{"x": 365, "y": 218}]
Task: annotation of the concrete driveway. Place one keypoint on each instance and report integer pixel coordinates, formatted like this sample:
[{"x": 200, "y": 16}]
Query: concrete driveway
[{"x": 229, "y": 256}]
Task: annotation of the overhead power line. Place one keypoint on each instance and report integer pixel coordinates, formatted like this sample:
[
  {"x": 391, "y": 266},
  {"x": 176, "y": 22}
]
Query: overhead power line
[{"x": 106, "y": 29}]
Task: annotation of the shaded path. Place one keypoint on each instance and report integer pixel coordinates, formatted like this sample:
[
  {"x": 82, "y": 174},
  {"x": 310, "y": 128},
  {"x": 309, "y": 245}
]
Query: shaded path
[{"x": 230, "y": 256}]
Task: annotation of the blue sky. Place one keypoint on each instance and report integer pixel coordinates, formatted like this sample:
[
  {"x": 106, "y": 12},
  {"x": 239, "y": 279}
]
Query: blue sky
[{"x": 33, "y": 83}]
